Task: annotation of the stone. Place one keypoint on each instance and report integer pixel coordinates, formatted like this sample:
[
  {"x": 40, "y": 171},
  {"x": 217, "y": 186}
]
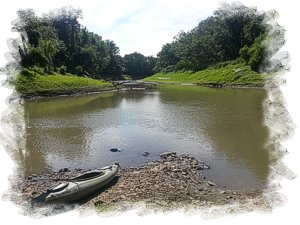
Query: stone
[
  {"x": 64, "y": 170},
  {"x": 206, "y": 166},
  {"x": 172, "y": 181},
  {"x": 167, "y": 154},
  {"x": 145, "y": 153},
  {"x": 115, "y": 150},
  {"x": 200, "y": 168},
  {"x": 211, "y": 183}
]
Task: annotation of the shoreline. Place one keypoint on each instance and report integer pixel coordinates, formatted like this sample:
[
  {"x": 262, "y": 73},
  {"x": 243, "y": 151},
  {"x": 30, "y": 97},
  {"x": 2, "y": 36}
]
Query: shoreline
[
  {"x": 211, "y": 85},
  {"x": 170, "y": 182},
  {"x": 67, "y": 94},
  {"x": 17, "y": 96},
  {"x": 160, "y": 84}
]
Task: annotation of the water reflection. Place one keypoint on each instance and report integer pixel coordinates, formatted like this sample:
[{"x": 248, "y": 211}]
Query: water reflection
[
  {"x": 230, "y": 122},
  {"x": 221, "y": 126}
]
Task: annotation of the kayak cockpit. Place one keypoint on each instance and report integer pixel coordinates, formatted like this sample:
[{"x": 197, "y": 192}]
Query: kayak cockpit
[
  {"x": 89, "y": 175},
  {"x": 58, "y": 188}
]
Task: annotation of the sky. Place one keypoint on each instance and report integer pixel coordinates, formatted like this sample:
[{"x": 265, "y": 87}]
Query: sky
[
  {"x": 145, "y": 26},
  {"x": 135, "y": 25}
]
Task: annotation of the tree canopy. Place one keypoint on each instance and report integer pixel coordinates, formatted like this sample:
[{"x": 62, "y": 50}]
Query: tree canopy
[
  {"x": 57, "y": 42},
  {"x": 138, "y": 65},
  {"x": 233, "y": 32}
]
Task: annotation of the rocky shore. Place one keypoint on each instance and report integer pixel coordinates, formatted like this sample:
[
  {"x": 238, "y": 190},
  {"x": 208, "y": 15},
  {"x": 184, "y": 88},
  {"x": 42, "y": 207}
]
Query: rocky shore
[{"x": 171, "y": 182}]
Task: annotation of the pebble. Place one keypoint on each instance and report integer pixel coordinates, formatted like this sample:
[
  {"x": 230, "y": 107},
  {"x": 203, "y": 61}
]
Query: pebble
[
  {"x": 145, "y": 154},
  {"x": 169, "y": 182},
  {"x": 211, "y": 183},
  {"x": 64, "y": 170},
  {"x": 167, "y": 154},
  {"x": 115, "y": 150}
]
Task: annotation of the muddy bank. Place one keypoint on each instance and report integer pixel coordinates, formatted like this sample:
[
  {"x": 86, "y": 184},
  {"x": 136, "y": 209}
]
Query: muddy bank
[{"x": 171, "y": 182}]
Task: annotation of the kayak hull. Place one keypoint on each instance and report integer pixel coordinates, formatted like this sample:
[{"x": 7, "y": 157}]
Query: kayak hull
[{"x": 80, "y": 186}]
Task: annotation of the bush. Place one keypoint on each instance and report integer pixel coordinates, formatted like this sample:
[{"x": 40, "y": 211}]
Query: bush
[
  {"x": 78, "y": 70},
  {"x": 62, "y": 70}
]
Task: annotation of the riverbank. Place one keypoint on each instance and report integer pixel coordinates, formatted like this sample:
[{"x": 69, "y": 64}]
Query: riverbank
[
  {"x": 32, "y": 84},
  {"x": 171, "y": 182},
  {"x": 231, "y": 75}
]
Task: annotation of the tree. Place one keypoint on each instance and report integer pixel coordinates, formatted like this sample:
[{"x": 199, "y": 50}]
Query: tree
[
  {"x": 216, "y": 39},
  {"x": 58, "y": 42},
  {"x": 138, "y": 65},
  {"x": 114, "y": 67},
  {"x": 254, "y": 55},
  {"x": 167, "y": 58}
]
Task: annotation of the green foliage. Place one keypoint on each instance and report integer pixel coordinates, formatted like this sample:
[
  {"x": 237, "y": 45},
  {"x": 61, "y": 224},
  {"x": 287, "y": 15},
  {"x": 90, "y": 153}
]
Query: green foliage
[
  {"x": 62, "y": 70},
  {"x": 230, "y": 73},
  {"x": 167, "y": 59},
  {"x": 58, "y": 42},
  {"x": 34, "y": 83},
  {"x": 139, "y": 66},
  {"x": 233, "y": 36},
  {"x": 255, "y": 55},
  {"x": 234, "y": 31}
]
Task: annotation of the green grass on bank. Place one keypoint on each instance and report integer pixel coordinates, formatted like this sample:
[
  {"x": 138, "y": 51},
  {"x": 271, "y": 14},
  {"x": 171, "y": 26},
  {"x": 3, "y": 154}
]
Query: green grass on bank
[
  {"x": 30, "y": 83},
  {"x": 230, "y": 74}
]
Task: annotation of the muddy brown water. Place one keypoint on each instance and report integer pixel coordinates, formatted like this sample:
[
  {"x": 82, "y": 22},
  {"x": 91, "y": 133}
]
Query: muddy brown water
[{"x": 222, "y": 127}]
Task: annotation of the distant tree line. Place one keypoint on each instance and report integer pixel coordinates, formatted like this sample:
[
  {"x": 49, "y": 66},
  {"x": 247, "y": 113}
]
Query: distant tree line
[
  {"x": 138, "y": 65},
  {"x": 57, "y": 42}
]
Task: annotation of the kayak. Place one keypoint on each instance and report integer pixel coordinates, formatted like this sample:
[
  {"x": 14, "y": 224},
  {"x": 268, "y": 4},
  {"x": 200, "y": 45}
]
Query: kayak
[{"x": 80, "y": 186}]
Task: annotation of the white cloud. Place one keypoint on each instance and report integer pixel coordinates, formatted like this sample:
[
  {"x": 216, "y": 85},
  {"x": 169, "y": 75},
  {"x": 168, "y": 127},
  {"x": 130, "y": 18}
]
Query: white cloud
[
  {"x": 135, "y": 25},
  {"x": 149, "y": 24}
]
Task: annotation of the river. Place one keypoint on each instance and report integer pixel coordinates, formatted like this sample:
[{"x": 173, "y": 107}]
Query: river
[{"x": 222, "y": 127}]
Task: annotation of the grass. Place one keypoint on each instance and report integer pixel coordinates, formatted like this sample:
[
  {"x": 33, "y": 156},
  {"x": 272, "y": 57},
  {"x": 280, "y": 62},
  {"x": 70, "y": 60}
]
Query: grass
[
  {"x": 31, "y": 83},
  {"x": 226, "y": 75},
  {"x": 104, "y": 208}
]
